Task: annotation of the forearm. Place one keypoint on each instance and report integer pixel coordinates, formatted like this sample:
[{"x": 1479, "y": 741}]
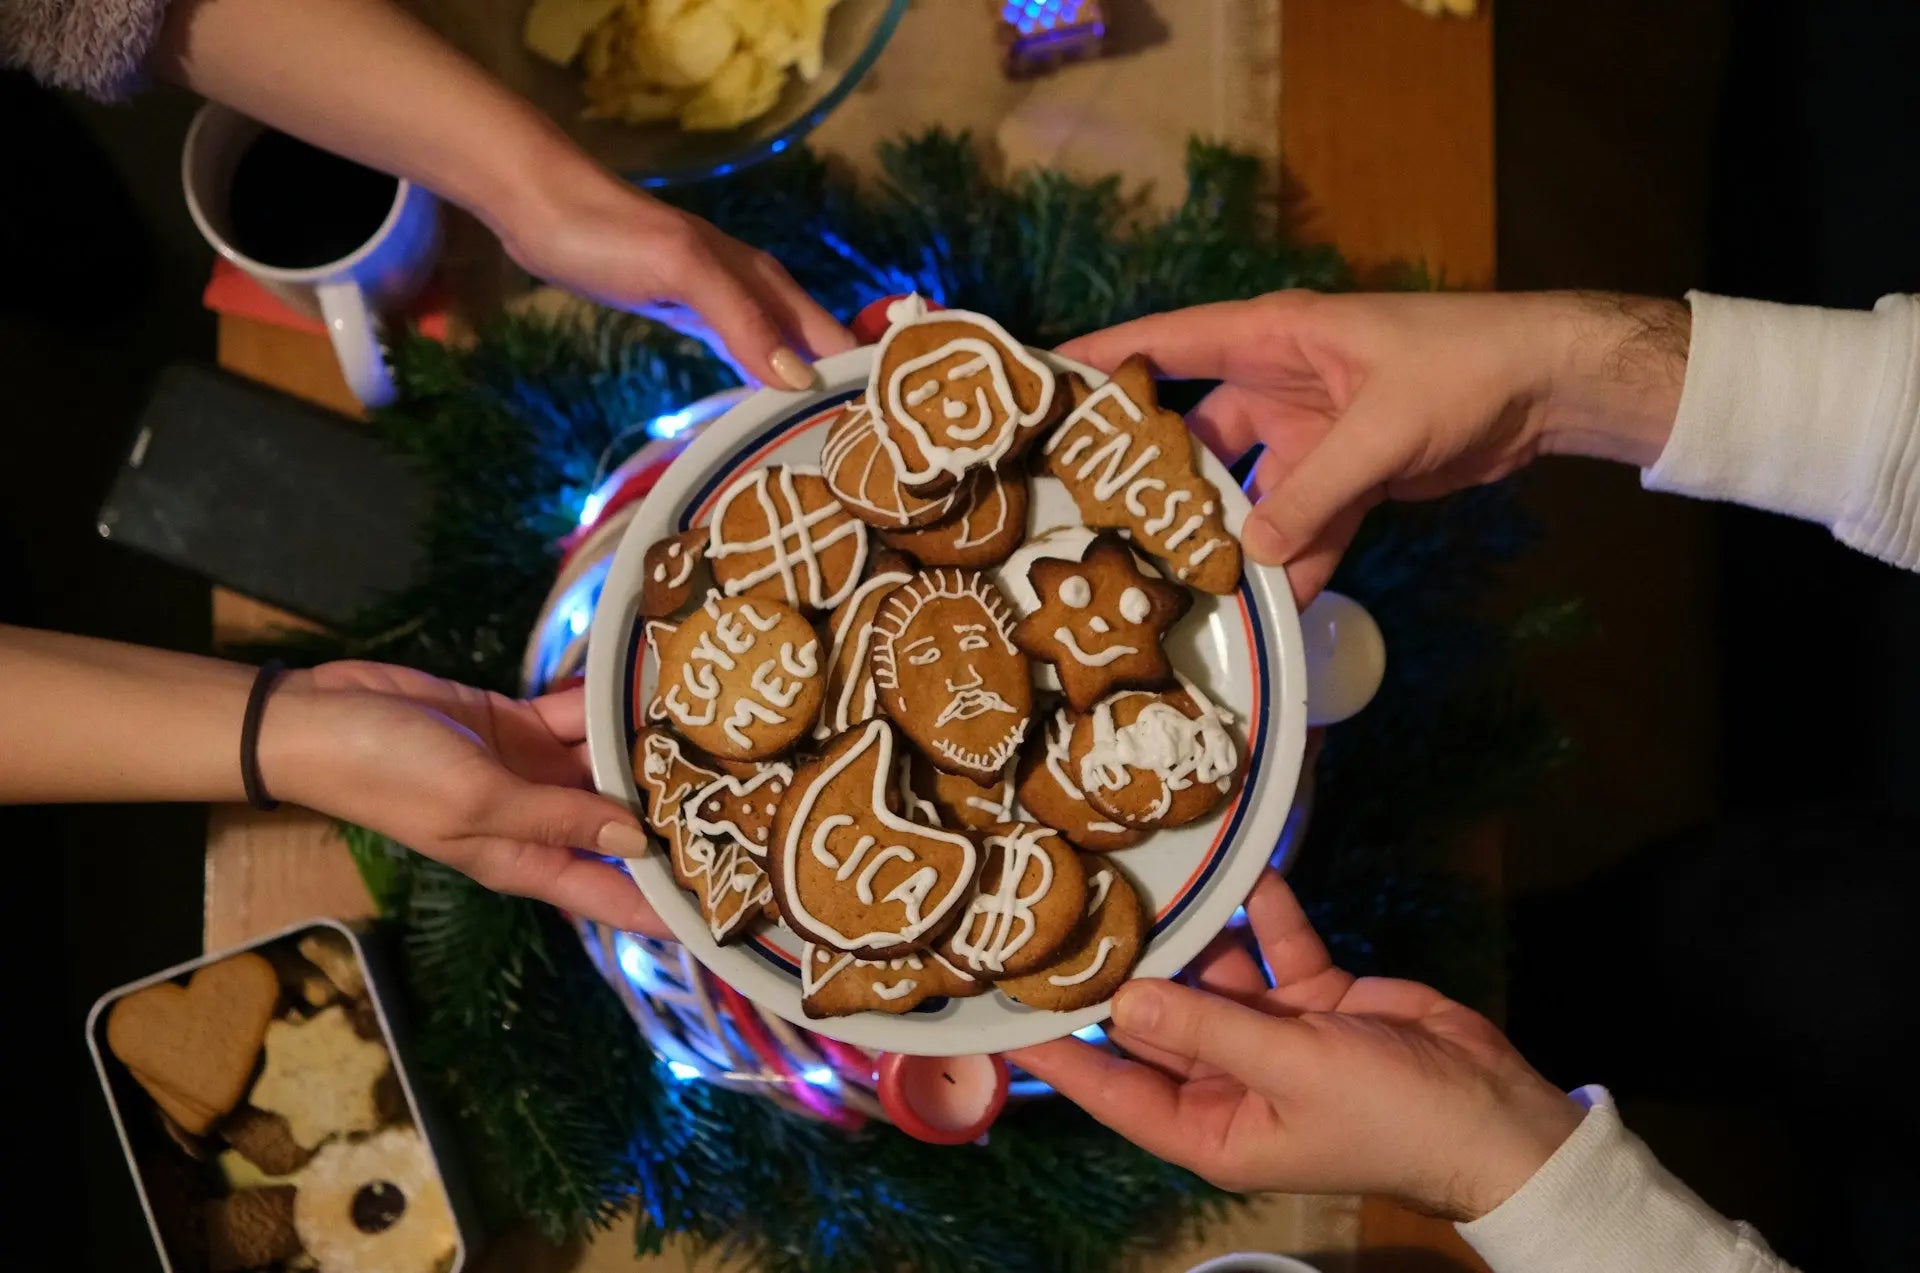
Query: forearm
[
  {"x": 366, "y": 80},
  {"x": 1603, "y": 1202},
  {"x": 1617, "y": 367},
  {"x": 86, "y": 720}
]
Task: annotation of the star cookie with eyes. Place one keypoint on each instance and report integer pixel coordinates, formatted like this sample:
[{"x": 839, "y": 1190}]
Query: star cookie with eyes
[{"x": 1100, "y": 622}]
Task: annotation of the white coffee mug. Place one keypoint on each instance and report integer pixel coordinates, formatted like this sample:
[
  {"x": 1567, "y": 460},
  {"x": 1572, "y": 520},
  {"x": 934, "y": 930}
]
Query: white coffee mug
[{"x": 348, "y": 294}]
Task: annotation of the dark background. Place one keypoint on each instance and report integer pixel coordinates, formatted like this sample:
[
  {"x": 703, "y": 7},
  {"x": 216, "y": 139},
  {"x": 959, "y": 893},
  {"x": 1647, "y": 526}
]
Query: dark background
[{"x": 1709, "y": 902}]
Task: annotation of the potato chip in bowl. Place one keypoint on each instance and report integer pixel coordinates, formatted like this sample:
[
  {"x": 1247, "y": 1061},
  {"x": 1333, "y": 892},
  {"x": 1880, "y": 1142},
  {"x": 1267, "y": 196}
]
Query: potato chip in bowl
[{"x": 709, "y": 64}]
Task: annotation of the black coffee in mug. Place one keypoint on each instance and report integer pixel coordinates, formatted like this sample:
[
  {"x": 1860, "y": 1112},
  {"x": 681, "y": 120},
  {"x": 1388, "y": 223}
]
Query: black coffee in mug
[{"x": 295, "y": 206}]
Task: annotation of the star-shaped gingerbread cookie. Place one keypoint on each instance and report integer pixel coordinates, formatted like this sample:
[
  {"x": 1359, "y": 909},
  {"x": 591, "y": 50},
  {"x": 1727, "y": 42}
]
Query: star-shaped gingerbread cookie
[{"x": 1100, "y": 622}]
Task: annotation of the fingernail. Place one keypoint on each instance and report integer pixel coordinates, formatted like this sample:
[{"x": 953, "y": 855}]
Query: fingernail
[
  {"x": 792, "y": 368},
  {"x": 623, "y": 841},
  {"x": 1263, "y": 543},
  {"x": 1137, "y": 1008}
]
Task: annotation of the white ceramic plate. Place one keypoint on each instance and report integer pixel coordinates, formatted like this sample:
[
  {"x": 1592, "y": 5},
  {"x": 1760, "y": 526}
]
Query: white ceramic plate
[{"x": 1244, "y": 650}]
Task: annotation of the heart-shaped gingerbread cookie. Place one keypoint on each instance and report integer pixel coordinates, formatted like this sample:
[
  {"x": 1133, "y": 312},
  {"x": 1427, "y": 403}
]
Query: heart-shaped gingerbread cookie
[{"x": 194, "y": 1047}]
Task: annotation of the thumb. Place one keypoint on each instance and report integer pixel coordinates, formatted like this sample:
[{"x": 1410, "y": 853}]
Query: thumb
[
  {"x": 1348, "y": 469},
  {"x": 1196, "y": 1026},
  {"x": 565, "y": 816}
]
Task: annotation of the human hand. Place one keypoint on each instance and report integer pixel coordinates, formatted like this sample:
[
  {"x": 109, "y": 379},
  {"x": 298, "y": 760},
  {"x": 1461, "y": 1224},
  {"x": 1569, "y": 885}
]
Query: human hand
[
  {"x": 1409, "y": 396},
  {"x": 489, "y": 785},
  {"x": 598, "y": 236},
  {"x": 1319, "y": 1083}
]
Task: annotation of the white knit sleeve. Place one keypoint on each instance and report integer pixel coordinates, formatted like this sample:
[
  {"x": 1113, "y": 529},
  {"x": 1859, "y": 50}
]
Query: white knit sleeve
[
  {"x": 1810, "y": 412},
  {"x": 1604, "y": 1204}
]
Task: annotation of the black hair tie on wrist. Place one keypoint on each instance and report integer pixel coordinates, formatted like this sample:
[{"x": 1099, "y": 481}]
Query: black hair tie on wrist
[{"x": 250, "y": 736}]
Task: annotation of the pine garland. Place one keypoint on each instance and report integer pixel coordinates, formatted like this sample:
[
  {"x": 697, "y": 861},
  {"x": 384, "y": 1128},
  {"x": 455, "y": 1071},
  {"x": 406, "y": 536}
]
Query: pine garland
[{"x": 568, "y": 1117}]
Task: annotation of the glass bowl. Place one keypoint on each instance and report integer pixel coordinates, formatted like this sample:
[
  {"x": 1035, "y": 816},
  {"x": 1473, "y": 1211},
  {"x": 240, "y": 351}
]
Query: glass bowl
[{"x": 663, "y": 154}]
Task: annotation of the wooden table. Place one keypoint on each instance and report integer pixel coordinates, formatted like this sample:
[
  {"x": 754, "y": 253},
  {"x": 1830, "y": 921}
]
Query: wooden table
[{"x": 1386, "y": 136}]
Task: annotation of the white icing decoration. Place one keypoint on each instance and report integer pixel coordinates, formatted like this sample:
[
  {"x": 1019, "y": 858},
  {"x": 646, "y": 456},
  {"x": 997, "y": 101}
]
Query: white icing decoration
[
  {"x": 1099, "y": 626},
  {"x": 1101, "y": 658},
  {"x": 863, "y": 887},
  {"x": 727, "y": 787},
  {"x": 659, "y": 755},
  {"x": 1113, "y": 470},
  {"x": 842, "y": 714},
  {"x": 790, "y": 542},
  {"x": 969, "y": 698},
  {"x": 1104, "y": 825},
  {"x": 814, "y": 978},
  {"x": 1003, "y": 919},
  {"x": 1086, "y": 974},
  {"x": 1059, "y": 732},
  {"x": 996, "y": 496},
  {"x": 877, "y": 494},
  {"x": 745, "y": 712},
  {"x": 925, "y": 392},
  {"x": 1097, "y": 889},
  {"x": 1134, "y": 606},
  {"x": 686, "y": 566},
  {"x": 896, "y": 990},
  {"x": 997, "y": 420},
  {"x": 953, "y": 410},
  {"x": 1164, "y": 741},
  {"x": 913, "y": 893},
  {"x": 1076, "y": 591}
]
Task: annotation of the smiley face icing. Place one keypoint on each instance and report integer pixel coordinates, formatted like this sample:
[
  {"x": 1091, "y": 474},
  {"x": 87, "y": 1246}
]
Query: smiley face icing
[
  {"x": 1155, "y": 760},
  {"x": 952, "y": 391},
  {"x": 852, "y": 874},
  {"x": 1100, "y": 622},
  {"x": 947, "y": 670},
  {"x": 1129, "y": 463},
  {"x": 741, "y": 678}
]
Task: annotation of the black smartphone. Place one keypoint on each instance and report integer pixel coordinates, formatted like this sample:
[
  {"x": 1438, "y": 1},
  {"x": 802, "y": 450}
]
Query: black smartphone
[{"x": 265, "y": 494}]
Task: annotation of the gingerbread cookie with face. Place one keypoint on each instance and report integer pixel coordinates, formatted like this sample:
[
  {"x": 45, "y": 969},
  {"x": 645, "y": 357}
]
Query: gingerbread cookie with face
[
  {"x": 1049, "y": 789},
  {"x": 1100, "y": 955},
  {"x": 988, "y": 522},
  {"x": 835, "y": 984},
  {"x": 1131, "y": 464},
  {"x": 851, "y": 698},
  {"x": 670, "y": 571},
  {"x": 1031, "y": 897},
  {"x": 779, "y": 533},
  {"x": 959, "y": 801},
  {"x": 948, "y": 672},
  {"x": 951, "y": 391},
  {"x": 1155, "y": 760},
  {"x": 852, "y": 873},
  {"x": 862, "y": 475},
  {"x": 741, "y": 677},
  {"x": 1100, "y": 622}
]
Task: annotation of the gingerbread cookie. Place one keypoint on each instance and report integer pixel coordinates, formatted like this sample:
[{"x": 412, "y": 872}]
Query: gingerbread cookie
[
  {"x": 193, "y": 1047},
  {"x": 851, "y": 873},
  {"x": 988, "y": 522},
  {"x": 741, "y": 677},
  {"x": 1155, "y": 760},
  {"x": 947, "y": 670},
  {"x": 1049, "y": 789},
  {"x": 1100, "y": 623},
  {"x": 321, "y": 1077},
  {"x": 863, "y": 477},
  {"x": 375, "y": 1204},
  {"x": 835, "y": 984},
  {"x": 670, "y": 572},
  {"x": 951, "y": 391},
  {"x": 1032, "y": 895},
  {"x": 730, "y": 886},
  {"x": 1129, "y": 463},
  {"x": 850, "y": 697},
  {"x": 959, "y": 801},
  {"x": 779, "y": 533},
  {"x": 1100, "y": 955},
  {"x": 739, "y": 809}
]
